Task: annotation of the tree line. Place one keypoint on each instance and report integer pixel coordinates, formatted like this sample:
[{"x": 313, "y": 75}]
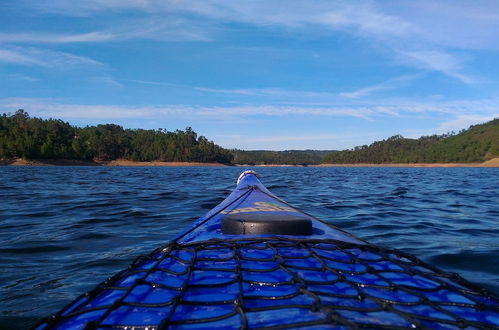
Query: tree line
[
  {"x": 286, "y": 157},
  {"x": 476, "y": 144},
  {"x": 35, "y": 138}
]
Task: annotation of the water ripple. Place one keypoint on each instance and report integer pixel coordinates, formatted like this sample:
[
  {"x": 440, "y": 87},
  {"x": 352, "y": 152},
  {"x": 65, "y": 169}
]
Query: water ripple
[{"x": 64, "y": 229}]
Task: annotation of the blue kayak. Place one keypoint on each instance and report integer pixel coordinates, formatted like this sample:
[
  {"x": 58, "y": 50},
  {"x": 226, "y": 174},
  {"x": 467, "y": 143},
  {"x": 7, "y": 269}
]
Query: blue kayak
[{"x": 254, "y": 261}]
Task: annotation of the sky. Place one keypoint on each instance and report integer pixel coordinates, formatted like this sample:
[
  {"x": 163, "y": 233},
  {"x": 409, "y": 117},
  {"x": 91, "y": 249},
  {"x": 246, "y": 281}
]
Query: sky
[{"x": 269, "y": 74}]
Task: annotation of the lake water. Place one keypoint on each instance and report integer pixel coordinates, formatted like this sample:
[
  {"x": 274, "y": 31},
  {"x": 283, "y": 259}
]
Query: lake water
[{"x": 63, "y": 230}]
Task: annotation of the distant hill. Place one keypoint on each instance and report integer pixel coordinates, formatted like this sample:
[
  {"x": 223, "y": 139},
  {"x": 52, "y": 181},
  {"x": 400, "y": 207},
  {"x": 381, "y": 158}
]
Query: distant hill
[
  {"x": 286, "y": 157},
  {"x": 476, "y": 144},
  {"x": 22, "y": 136}
]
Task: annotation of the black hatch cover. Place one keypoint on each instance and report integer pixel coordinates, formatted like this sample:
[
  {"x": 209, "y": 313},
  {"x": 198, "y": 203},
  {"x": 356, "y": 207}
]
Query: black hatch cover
[{"x": 265, "y": 223}]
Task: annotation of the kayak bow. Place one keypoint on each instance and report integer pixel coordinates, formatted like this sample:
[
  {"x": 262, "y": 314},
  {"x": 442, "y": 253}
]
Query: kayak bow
[{"x": 254, "y": 261}]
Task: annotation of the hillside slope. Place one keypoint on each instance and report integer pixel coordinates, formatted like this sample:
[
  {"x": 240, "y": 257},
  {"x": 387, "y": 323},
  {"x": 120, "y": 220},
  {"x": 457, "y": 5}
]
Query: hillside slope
[
  {"x": 22, "y": 136},
  {"x": 476, "y": 144},
  {"x": 286, "y": 157}
]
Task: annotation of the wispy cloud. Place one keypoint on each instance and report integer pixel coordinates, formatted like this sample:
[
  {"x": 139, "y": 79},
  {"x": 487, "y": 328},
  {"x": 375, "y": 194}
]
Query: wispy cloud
[
  {"x": 279, "y": 92},
  {"x": 366, "y": 19},
  {"x": 55, "y": 38},
  {"x": 278, "y": 138},
  {"x": 45, "y": 58},
  {"x": 106, "y": 81},
  {"x": 84, "y": 8},
  {"x": 362, "y": 16},
  {"x": 22, "y": 77},
  {"x": 253, "y": 92},
  {"x": 460, "y": 24},
  {"x": 153, "y": 83},
  {"x": 14, "y": 57},
  {"x": 439, "y": 61},
  {"x": 453, "y": 116},
  {"x": 357, "y": 112},
  {"x": 464, "y": 121},
  {"x": 57, "y": 108},
  {"x": 172, "y": 29},
  {"x": 48, "y": 108},
  {"x": 404, "y": 35},
  {"x": 278, "y": 141},
  {"x": 384, "y": 86},
  {"x": 455, "y": 24}
]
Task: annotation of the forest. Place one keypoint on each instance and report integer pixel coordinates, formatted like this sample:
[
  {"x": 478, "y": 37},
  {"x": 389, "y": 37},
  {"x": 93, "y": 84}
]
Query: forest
[
  {"x": 35, "y": 138},
  {"x": 22, "y": 136},
  {"x": 287, "y": 157},
  {"x": 476, "y": 144}
]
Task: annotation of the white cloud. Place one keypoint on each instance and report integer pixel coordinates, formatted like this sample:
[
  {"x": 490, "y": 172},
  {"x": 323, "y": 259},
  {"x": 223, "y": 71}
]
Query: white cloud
[
  {"x": 439, "y": 61},
  {"x": 278, "y": 142},
  {"x": 14, "y": 57},
  {"x": 453, "y": 116},
  {"x": 464, "y": 121},
  {"x": 153, "y": 83},
  {"x": 55, "y": 38},
  {"x": 45, "y": 58},
  {"x": 48, "y": 108},
  {"x": 386, "y": 85},
  {"x": 454, "y": 24},
  {"x": 357, "y": 112},
  {"x": 279, "y": 92},
  {"x": 23, "y": 77},
  {"x": 163, "y": 28},
  {"x": 319, "y": 141},
  {"x": 402, "y": 29},
  {"x": 366, "y": 18},
  {"x": 278, "y": 138},
  {"x": 167, "y": 28},
  {"x": 452, "y": 109},
  {"x": 82, "y": 8},
  {"x": 371, "y": 18},
  {"x": 446, "y": 23},
  {"x": 107, "y": 81}
]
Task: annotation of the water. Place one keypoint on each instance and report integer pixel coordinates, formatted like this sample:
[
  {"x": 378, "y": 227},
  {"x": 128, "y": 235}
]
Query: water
[{"x": 65, "y": 229}]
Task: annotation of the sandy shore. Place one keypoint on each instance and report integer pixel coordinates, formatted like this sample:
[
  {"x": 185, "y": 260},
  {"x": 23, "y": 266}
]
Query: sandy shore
[
  {"x": 271, "y": 165},
  {"x": 403, "y": 165},
  {"x": 494, "y": 162},
  {"x": 121, "y": 162},
  {"x": 490, "y": 163},
  {"x": 48, "y": 162}
]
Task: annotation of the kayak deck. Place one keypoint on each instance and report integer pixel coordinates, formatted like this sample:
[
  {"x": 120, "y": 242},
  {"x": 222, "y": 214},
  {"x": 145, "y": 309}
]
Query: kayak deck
[
  {"x": 252, "y": 199},
  {"x": 206, "y": 278},
  {"x": 262, "y": 283}
]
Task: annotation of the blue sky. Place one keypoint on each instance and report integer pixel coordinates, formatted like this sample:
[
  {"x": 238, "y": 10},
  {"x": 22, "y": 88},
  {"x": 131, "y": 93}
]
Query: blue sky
[{"x": 255, "y": 74}]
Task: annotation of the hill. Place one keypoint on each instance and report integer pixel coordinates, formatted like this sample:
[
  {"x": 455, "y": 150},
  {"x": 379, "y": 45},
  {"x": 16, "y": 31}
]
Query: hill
[
  {"x": 53, "y": 140},
  {"x": 22, "y": 136},
  {"x": 33, "y": 138},
  {"x": 286, "y": 157},
  {"x": 476, "y": 144}
]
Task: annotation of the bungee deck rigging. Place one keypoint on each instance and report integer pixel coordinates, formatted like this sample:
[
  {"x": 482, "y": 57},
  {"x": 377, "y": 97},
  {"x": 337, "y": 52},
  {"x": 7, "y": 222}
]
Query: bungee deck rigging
[{"x": 233, "y": 269}]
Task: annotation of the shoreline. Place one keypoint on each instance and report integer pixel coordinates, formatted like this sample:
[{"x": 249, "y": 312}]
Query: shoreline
[
  {"x": 121, "y": 162},
  {"x": 484, "y": 164},
  {"x": 118, "y": 162}
]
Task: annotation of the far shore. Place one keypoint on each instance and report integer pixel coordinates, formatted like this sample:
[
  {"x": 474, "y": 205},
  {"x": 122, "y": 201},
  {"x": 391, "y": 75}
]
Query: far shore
[
  {"x": 489, "y": 163},
  {"x": 117, "y": 162},
  {"x": 121, "y": 162}
]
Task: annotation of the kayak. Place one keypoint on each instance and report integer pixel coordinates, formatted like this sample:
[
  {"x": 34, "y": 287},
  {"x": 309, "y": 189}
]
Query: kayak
[{"x": 254, "y": 261}]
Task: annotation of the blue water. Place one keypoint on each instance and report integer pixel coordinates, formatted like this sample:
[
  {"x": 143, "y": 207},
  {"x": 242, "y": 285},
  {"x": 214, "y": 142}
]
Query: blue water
[{"x": 65, "y": 229}]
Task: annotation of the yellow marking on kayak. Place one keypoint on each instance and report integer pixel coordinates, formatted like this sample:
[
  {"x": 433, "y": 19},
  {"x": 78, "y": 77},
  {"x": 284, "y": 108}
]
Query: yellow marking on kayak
[{"x": 260, "y": 207}]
